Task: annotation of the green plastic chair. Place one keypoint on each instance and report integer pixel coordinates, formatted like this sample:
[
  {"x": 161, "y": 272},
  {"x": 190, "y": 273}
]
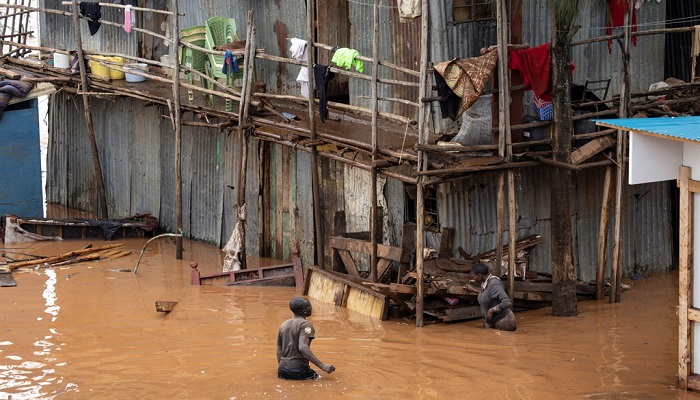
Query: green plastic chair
[
  {"x": 219, "y": 31},
  {"x": 194, "y": 59}
]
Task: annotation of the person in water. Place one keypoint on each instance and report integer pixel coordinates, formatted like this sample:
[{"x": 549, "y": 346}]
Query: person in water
[
  {"x": 293, "y": 345},
  {"x": 495, "y": 303}
]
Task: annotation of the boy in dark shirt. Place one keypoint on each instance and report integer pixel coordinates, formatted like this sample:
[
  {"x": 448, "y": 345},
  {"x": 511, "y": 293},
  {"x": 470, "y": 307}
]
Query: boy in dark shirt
[{"x": 293, "y": 341}]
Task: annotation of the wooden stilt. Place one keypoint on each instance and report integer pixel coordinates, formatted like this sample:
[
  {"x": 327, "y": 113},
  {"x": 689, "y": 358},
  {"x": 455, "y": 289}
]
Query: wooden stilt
[
  {"x": 603, "y": 234},
  {"x": 243, "y": 109},
  {"x": 685, "y": 258},
  {"x": 512, "y": 217},
  {"x": 423, "y": 116},
  {"x": 315, "y": 185},
  {"x": 373, "y": 211},
  {"x": 102, "y": 204},
  {"x": 625, "y": 103},
  {"x": 174, "y": 46}
]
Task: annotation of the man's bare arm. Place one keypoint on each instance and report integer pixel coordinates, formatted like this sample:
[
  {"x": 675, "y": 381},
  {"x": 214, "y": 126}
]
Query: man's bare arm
[{"x": 305, "y": 350}]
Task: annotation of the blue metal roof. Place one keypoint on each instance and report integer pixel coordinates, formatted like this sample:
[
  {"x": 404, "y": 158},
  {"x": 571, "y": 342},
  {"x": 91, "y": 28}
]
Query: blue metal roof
[{"x": 681, "y": 128}]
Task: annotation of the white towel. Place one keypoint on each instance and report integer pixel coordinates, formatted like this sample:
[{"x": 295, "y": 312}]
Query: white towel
[
  {"x": 303, "y": 79},
  {"x": 298, "y": 49}
]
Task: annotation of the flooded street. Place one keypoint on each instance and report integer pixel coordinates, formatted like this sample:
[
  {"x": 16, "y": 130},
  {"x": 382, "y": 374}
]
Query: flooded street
[{"x": 89, "y": 331}]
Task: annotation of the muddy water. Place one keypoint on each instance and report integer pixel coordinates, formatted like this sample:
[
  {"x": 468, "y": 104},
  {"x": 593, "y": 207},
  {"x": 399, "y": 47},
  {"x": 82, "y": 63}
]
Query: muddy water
[{"x": 88, "y": 331}]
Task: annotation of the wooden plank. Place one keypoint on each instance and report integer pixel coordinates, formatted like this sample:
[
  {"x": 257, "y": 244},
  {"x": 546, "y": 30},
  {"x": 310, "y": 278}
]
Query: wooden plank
[
  {"x": 31, "y": 263},
  {"x": 694, "y": 314},
  {"x": 383, "y": 269},
  {"x": 685, "y": 257},
  {"x": 460, "y": 314},
  {"x": 348, "y": 262},
  {"x": 336, "y": 289},
  {"x": 603, "y": 234},
  {"x": 9, "y": 74},
  {"x": 298, "y": 273},
  {"x": 383, "y": 251},
  {"x": 694, "y": 186},
  {"x": 590, "y": 149}
]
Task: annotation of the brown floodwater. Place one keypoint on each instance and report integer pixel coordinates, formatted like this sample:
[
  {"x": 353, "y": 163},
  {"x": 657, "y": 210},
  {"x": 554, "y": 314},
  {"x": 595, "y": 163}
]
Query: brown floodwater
[{"x": 88, "y": 331}]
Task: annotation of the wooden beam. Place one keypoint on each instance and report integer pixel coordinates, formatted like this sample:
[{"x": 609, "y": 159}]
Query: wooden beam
[
  {"x": 603, "y": 234},
  {"x": 685, "y": 257},
  {"x": 590, "y": 149},
  {"x": 360, "y": 246},
  {"x": 348, "y": 262}
]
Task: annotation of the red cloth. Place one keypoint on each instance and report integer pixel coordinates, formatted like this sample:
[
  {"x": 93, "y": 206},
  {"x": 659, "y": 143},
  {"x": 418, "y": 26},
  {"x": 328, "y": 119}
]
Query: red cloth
[
  {"x": 618, "y": 8},
  {"x": 534, "y": 65}
]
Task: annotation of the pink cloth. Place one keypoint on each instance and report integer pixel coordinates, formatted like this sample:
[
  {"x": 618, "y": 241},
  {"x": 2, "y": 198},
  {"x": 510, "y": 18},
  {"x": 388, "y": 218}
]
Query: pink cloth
[{"x": 127, "y": 19}]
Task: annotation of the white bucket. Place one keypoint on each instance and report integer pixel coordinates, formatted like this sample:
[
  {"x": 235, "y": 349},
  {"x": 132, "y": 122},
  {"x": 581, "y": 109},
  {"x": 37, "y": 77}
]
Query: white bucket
[{"x": 61, "y": 60}]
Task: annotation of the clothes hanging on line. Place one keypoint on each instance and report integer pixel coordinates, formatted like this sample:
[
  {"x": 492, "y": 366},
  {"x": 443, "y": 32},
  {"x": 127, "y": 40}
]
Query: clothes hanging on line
[
  {"x": 300, "y": 52},
  {"x": 91, "y": 10},
  {"x": 466, "y": 79},
  {"x": 322, "y": 75},
  {"x": 347, "y": 58},
  {"x": 617, "y": 9},
  {"x": 129, "y": 18},
  {"x": 534, "y": 66}
]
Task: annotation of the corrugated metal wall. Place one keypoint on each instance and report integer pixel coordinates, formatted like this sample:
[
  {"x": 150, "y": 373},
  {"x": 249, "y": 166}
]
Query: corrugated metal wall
[
  {"x": 469, "y": 206},
  {"x": 137, "y": 155}
]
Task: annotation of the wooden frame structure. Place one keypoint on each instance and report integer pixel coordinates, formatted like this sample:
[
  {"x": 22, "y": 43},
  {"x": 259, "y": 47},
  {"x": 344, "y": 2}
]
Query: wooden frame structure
[{"x": 433, "y": 164}]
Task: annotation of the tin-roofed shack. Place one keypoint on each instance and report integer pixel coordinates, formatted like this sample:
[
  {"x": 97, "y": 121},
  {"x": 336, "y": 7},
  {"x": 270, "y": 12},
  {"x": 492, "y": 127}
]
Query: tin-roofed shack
[{"x": 221, "y": 136}]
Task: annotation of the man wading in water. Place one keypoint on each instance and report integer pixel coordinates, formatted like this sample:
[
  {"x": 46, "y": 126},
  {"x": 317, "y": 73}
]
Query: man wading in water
[{"x": 293, "y": 341}]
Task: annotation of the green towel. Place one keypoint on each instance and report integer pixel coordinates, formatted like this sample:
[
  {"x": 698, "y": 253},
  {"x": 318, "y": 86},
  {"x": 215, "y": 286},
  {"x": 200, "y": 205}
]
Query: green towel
[{"x": 345, "y": 58}]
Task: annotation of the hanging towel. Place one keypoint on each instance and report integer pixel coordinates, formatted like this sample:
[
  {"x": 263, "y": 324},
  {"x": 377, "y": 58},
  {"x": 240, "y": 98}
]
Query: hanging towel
[
  {"x": 303, "y": 79},
  {"x": 346, "y": 58},
  {"x": 300, "y": 53},
  {"x": 618, "y": 8},
  {"x": 92, "y": 11},
  {"x": 322, "y": 75},
  {"x": 466, "y": 78},
  {"x": 696, "y": 41},
  {"x": 230, "y": 63},
  {"x": 298, "y": 49},
  {"x": 128, "y": 19}
]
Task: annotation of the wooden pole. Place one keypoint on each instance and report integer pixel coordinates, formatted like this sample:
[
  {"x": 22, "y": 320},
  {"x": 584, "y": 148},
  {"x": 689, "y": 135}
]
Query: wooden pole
[
  {"x": 603, "y": 234},
  {"x": 175, "y": 30},
  {"x": 315, "y": 185},
  {"x": 373, "y": 210},
  {"x": 102, "y": 206},
  {"x": 512, "y": 215},
  {"x": 243, "y": 108},
  {"x": 423, "y": 116},
  {"x": 685, "y": 258},
  {"x": 504, "y": 146},
  {"x": 625, "y": 102}
]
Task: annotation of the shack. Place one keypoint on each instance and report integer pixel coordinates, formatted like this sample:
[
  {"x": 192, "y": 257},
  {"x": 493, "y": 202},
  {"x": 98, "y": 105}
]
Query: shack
[{"x": 367, "y": 155}]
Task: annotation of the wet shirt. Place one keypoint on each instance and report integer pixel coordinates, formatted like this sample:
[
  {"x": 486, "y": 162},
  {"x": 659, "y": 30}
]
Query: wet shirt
[
  {"x": 288, "y": 342},
  {"x": 493, "y": 294}
]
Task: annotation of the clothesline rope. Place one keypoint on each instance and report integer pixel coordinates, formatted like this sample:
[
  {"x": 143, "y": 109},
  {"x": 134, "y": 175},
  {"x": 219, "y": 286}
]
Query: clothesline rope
[
  {"x": 695, "y": 18},
  {"x": 362, "y": 3}
]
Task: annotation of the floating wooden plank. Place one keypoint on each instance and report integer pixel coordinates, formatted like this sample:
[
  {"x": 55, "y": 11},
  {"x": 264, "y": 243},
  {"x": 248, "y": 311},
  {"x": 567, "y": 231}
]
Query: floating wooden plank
[
  {"x": 63, "y": 257},
  {"x": 276, "y": 275},
  {"x": 333, "y": 288}
]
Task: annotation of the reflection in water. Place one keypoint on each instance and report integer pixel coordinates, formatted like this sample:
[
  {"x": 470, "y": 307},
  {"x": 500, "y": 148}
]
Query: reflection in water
[{"x": 219, "y": 342}]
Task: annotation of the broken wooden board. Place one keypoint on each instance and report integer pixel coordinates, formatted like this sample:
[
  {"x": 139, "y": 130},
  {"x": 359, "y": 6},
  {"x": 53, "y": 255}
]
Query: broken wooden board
[
  {"x": 276, "y": 275},
  {"x": 334, "y": 288},
  {"x": 23, "y": 230}
]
